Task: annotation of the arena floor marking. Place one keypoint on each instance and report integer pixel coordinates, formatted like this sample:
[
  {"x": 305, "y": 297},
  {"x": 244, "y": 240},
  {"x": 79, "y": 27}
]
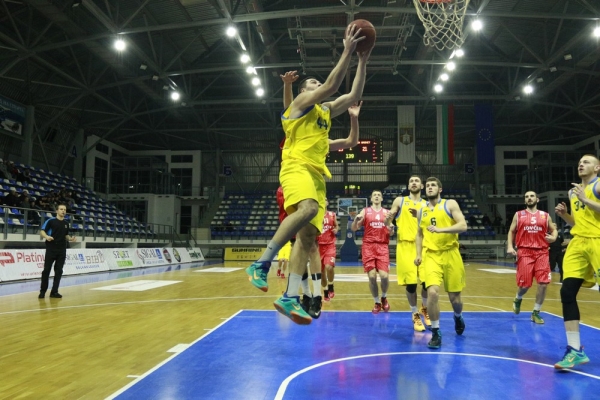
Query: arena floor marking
[{"x": 358, "y": 355}]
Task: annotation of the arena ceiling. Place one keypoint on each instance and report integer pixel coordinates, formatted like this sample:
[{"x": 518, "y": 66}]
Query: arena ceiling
[{"x": 58, "y": 55}]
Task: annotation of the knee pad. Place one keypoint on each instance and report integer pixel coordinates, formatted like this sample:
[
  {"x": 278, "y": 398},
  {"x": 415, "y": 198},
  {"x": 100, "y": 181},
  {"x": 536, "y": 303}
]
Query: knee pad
[
  {"x": 569, "y": 290},
  {"x": 411, "y": 288},
  {"x": 305, "y": 276},
  {"x": 316, "y": 277},
  {"x": 568, "y": 297}
]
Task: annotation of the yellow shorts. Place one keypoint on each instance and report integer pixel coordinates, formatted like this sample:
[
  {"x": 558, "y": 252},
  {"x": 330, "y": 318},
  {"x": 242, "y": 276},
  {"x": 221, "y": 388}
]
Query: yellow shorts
[
  {"x": 444, "y": 266},
  {"x": 582, "y": 255},
  {"x": 300, "y": 182},
  {"x": 284, "y": 252},
  {"x": 406, "y": 270}
]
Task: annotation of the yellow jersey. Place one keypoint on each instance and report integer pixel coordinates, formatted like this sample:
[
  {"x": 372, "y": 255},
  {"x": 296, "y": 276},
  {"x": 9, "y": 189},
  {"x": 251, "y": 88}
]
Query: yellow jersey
[
  {"x": 406, "y": 223},
  {"x": 587, "y": 221},
  {"x": 440, "y": 217},
  {"x": 307, "y": 137}
]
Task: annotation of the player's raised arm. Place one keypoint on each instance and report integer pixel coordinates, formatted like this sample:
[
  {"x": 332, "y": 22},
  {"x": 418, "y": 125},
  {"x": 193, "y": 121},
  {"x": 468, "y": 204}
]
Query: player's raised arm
[
  {"x": 561, "y": 211},
  {"x": 397, "y": 203},
  {"x": 288, "y": 93},
  {"x": 335, "y": 78},
  {"x": 352, "y": 139},
  {"x": 343, "y": 102}
]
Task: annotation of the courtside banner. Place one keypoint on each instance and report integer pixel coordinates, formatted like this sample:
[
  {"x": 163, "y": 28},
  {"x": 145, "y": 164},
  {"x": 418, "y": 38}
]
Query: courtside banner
[
  {"x": 195, "y": 254},
  {"x": 22, "y": 264},
  {"x": 149, "y": 257},
  {"x": 243, "y": 253},
  {"x": 180, "y": 255},
  {"x": 121, "y": 258},
  {"x": 83, "y": 261}
]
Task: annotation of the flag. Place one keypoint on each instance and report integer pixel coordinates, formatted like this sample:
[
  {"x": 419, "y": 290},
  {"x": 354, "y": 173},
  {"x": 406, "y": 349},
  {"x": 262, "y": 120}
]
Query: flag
[
  {"x": 445, "y": 134},
  {"x": 484, "y": 129},
  {"x": 406, "y": 135}
]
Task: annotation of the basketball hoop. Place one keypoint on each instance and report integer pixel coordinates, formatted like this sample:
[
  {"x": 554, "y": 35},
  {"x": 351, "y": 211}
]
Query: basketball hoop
[{"x": 443, "y": 22}]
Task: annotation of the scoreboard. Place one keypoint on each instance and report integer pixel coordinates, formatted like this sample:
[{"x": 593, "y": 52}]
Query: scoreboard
[{"x": 366, "y": 151}]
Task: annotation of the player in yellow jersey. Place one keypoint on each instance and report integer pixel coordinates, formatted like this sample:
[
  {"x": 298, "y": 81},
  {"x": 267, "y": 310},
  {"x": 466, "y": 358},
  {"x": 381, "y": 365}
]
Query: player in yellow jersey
[
  {"x": 440, "y": 222},
  {"x": 306, "y": 123},
  {"x": 583, "y": 253},
  {"x": 404, "y": 209}
]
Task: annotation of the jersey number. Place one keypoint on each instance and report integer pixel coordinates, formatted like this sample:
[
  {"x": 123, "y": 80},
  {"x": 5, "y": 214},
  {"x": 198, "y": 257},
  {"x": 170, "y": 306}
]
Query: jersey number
[
  {"x": 433, "y": 221},
  {"x": 579, "y": 206},
  {"x": 321, "y": 123},
  {"x": 533, "y": 220}
]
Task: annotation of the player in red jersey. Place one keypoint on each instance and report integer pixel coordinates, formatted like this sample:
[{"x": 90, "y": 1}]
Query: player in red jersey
[
  {"x": 327, "y": 251},
  {"x": 532, "y": 231},
  {"x": 375, "y": 248}
]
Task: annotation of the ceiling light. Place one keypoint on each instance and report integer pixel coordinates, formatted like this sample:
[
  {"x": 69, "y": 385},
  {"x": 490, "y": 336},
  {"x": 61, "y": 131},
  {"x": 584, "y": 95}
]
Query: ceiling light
[
  {"x": 451, "y": 66},
  {"x": 76, "y": 3},
  {"x": 568, "y": 57},
  {"x": 438, "y": 88},
  {"x": 165, "y": 87},
  {"x": 476, "y": 25},
  {"x": 251, "y": 70},
  {"x": 154, "y": 77},
  {"x": 143, "y": 67},
  {"x": 539, "y": 80},
  {"x": 244, "y": 58},
  {"x": 528, "y": 89},
  {"x": 184, "y": 104},
  {"x": 597, "y": 31},
  {"x": 231, "y": 31},
  {"x": 459, "y": 52},
  {"x": 517, "y": 98},
  {"x": 120, "y": 44},
  {"x": 175, "y": 96},
  {"x": 260, "y": 92},
  {"x": 444, "y": 77},
  {"x": 255, "y": 81},
  {"x": 553, "y": 69}
]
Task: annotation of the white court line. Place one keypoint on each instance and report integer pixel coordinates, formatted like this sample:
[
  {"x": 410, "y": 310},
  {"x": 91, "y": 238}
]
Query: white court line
[
  {"x": 580, "y": 323},
  {"x": 133, "y": 376},
  {"x": 286, "y": 382},
  {"x": 124, "y": 388}
]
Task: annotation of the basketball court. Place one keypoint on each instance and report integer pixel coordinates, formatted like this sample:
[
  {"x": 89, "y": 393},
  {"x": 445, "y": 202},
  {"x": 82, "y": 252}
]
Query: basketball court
[{"x": 202, "y": 331}]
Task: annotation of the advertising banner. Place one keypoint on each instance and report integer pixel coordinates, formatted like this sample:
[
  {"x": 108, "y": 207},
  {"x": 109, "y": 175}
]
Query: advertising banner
[
  {"x": 148, "y": 257},
  {"x": 121, "y": 258},
  {"x": 12, "y": 116},
  {"x": 21, "y": 264},
  {"x": 195, "y": 254},
  {"x": 82, "y": 261},
  {"x": 243, "y": 253}
]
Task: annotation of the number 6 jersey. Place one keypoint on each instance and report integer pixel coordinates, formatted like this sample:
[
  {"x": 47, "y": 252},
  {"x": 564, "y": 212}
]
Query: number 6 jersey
[{"x": 441, "y": 218}]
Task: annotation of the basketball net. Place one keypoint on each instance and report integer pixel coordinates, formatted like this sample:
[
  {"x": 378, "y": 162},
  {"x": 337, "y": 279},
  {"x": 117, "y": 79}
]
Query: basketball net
[
  {"x": 443, "y": 22},
  {"x": 352, "y": 215}
]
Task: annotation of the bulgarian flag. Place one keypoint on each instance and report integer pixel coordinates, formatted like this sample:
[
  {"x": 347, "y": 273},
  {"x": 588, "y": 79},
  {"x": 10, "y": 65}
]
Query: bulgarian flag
[{"x": 445, "y": 134}]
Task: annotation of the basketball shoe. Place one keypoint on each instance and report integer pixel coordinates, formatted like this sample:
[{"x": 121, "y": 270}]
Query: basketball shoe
[
  {"x": 291, "y": 308},
  {"x": 572, "y": 358},
  {"x": 417, "y": 323},
  {"x": 257, "y": 274}
]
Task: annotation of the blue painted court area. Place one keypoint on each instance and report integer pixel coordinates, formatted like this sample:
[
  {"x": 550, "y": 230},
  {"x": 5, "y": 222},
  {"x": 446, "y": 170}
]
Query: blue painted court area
[{"x": 358, "y": 355}]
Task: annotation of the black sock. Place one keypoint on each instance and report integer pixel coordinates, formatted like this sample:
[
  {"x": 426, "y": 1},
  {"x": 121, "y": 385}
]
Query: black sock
[
  {"x": 434, "y": 330},
  {"x": 326, "y": 293},
  {"x": 330, "y": 287}
]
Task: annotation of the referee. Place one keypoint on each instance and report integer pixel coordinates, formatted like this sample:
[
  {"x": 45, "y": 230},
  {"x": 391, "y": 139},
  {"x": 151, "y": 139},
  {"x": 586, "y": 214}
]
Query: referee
[{"x": 56, "y": 233}]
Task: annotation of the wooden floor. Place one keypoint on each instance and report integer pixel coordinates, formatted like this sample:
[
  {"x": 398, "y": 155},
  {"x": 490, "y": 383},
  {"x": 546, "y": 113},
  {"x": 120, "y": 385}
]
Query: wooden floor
[{"x": 92, "y": 343}]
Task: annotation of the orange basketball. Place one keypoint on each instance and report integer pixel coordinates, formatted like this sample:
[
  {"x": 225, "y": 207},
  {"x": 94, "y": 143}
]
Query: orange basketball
[{"x": 368, "y": 31}]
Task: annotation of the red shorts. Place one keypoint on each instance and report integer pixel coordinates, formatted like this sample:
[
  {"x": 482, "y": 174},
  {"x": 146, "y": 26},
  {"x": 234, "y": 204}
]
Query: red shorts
[
  {"x": 376, "y": 256},
  {"x": 327, "y": 252},
  {"x": 530, "y": 263},
  {"x": 280, "y": 202}
]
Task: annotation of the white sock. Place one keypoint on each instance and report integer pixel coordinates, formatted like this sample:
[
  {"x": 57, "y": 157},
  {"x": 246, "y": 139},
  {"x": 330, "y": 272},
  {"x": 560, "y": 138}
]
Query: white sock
[
  {"x": 537, "y": 307},
  {"x": 377, "y": 299},
  {"x": 457, "y": 315},
  {"x": 270, "y": 252},
  {"x": 316, "y": 285},
  {"x": 518, "y": 296},
  {"x": 574, "y": 340},
  {"x": 306, "y": 287},
  {"x": 294, "y": 281},
  {"x": 383, "y": 294},
  {"x": 435, "y": 324},
  {"x": 413, "y": 309}
]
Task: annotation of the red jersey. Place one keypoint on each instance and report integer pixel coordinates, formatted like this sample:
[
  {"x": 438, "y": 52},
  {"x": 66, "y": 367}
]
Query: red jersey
[
  {"x": 328, "y": 237},
  {"x": 375, "y": 229},
  {"x": 531, "y": 230},
  {"x": 280, "y": 202}
]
